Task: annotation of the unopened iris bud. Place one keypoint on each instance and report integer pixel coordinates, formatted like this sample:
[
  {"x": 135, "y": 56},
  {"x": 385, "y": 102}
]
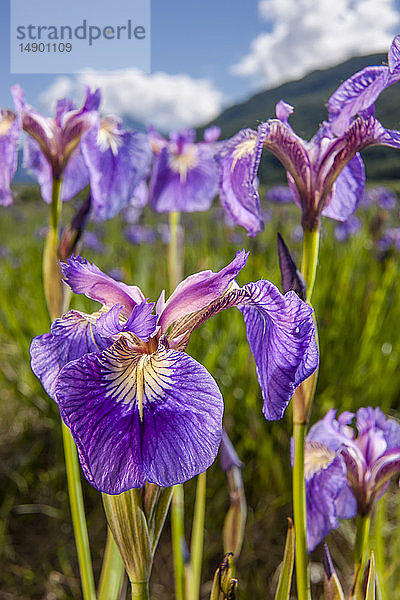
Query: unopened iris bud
[
  {"x": 292, "y": 279},
  {"x": 73, "y": 233},
  {"x": 136, "y": 519},
  {"x": 224, "y": 584},
  {"x": 332, "y": 587}
]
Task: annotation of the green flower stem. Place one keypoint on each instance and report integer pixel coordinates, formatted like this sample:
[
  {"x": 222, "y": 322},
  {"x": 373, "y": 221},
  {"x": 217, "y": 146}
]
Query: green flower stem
[
  {"x": 310, "y": 259},
  {"x": 53, "y": 289},
  {"x": 112, "y": 571},
  {"x": 299, "y": 513},
  {"x": 175, "y": 251},
  {"x": 302, "y": 401},
  {"x": 380, "y": 554},
  {"x": 140, "y": 590},
  {"x": 78, "y": 515},
  {"x": 196, "y": 547},
  {"x": 178, "y": 540},
  {"x": 361, "y": 543},
  {"x": 360, "y": 552},
  {"x": 175, "y": 274}
]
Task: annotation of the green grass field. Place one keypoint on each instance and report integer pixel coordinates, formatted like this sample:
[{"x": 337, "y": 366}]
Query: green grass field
[{"x": 357, "y": 302}]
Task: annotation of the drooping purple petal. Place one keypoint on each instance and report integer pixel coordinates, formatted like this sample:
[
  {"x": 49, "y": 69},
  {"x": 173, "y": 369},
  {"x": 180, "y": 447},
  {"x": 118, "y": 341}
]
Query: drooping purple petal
[
  {"x": 281, "y": 334},
  {"x": 239, "y": 159},
  {"x": 86, "y": 278},
  {"x": 138, "y": 418},
  {"x": 347, "y": 191},
  {"x": 10, "y": 131},
  {"x": 198, "y": 290},
  {"x": 116, "y": 167},
  {"x": 326, "y": 477},
  {"x": 359, "y": 93},
  {"x": 185, "y": 181},
  {"x": 75, "y": 177},
  {"x": 71, "y": 336}
]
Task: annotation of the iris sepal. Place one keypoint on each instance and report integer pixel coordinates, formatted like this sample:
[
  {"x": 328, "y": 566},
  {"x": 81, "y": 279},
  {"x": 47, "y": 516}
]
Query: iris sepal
[{"x": 169, "y": 436}]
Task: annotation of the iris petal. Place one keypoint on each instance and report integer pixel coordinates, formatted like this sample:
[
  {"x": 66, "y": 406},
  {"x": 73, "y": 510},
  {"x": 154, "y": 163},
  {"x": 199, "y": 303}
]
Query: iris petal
[
  {"x": 138, "y": 417},
  {"x": 71, "y": 336},
  {"x": 239, "y": 158},
  {"x": 86, "y": 278}
]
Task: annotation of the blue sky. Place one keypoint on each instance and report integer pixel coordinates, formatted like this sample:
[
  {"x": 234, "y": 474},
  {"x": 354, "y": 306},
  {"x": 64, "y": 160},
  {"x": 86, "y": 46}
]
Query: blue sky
[{"x": 206, "y": 55}]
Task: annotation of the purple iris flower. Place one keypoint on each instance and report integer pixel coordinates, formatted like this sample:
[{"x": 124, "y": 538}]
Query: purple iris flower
[
  {"x": 325, "y": 174},
  {"x": 346, "y": 229},
  {"x": 10, "y": 130},
  {"x": 139, "y": 408},
  {"x": 118, "y": 161},
  {"x": 280, "y": 194},
  {"x": 52, "y": 147},
  {"x": 390, "y": 239},
  {"x": 384, "y": 197},
  {"x": 184, "y": 175},
  {"x": 347, "y": 473}
]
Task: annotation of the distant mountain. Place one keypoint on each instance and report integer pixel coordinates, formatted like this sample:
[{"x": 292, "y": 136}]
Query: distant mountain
[{"x": 309, "y": 97}]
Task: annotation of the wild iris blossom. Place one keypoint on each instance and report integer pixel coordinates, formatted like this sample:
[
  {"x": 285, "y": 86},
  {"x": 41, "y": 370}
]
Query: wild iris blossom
[
  {"x": 326, "y": 174},
  {"x": 78, "y": 147},
  {"x": 51, "y": 148},
  {"x": 139, "y": 408},
  {"x": 346, "y": 473},
  {"x": 184, "y": 175}
]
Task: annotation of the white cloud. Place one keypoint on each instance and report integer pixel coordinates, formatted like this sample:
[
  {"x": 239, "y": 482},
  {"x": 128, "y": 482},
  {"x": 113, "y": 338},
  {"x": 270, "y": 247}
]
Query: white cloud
[
  {"x": 166, "y": 101},
  {"x": 308, "y": 34}
]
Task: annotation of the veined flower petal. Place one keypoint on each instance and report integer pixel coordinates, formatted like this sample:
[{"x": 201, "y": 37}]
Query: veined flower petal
[
  {"x": 359, "y": 93},
  {"x": 115, "y": 170},
  {"x": 137, "y": 417},
  {"x": 326, "y": 477},
  {"x": 347, "y": 191},
  {"x": 86, "y": 278},
  {"x": 281, "y": 334},
  {"x": 141, "y": 322},
  {"x": 198, "y": 290},
  {"x": 71, "y": 336},
  {"x": 186, "y": 182},
  {"x": 10, "y": 131},
  {"x": 239, "y": 159}
]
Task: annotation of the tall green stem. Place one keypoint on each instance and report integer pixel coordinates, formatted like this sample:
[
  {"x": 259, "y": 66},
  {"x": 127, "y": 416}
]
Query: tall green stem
[
  {"x": 78, "y": 515},
  {"x": 302, "y": 401},
  {"x": 361, "y": 543},
  {"x": 175, "y": 251},
  {"x": 112, "y": 571},
  {"x": 178, "y": 540},
  {"x": 53, "y": 289},
  {"x": 310, "y": 259},
  {"x": 196, "y": 547},
  {"x": 175, "y": 275},
  {"x": 360, "y": 550},
  {"x": 140, "y": 590},
  {"x": 380, "y": 554},
  {"x": 299, "y": 513}
]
